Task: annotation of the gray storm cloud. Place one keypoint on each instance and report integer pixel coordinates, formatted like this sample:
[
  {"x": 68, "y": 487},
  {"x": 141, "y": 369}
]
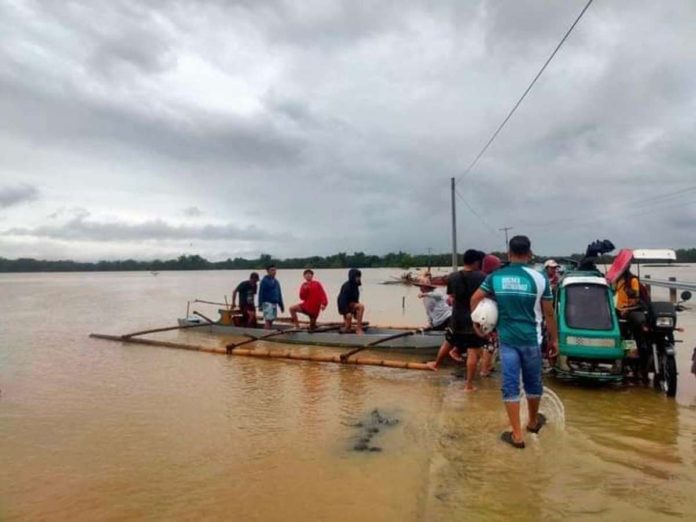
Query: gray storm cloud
[
  {"x": 340, "y": 123},
  {"x": 14, "y": 195},
  {"x": 81, "y": 228}
]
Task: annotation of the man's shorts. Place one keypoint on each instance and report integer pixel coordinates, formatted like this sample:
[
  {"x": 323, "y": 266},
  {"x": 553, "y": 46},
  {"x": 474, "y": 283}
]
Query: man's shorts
[
  {"x": 304, "y": 310},
  {"x": 349, "y": 310},
  {"x": 524, "y": 359},
  {"x": 442, "y": 327},
  {"x": 462, "y": 341},
  {"x": 270, "y": 311}
]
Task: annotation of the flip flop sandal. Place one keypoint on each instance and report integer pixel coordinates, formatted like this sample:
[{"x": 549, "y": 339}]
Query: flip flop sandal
[
  {"x": 541, "y": 420},
  {"x": 506, "y": 436}
]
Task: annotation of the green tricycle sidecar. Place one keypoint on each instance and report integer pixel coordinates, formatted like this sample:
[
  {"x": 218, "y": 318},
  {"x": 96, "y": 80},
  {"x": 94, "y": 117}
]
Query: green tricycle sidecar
[{"x": 589, "y": 339}]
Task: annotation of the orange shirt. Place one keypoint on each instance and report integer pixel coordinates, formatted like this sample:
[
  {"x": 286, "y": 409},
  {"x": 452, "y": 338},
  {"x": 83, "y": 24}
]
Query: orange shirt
[{"x": 623, "y": 300}]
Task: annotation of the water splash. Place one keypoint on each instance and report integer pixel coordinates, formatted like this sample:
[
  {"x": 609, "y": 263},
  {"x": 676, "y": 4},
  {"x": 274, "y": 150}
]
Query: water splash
[{"x": 551, "y": 406}]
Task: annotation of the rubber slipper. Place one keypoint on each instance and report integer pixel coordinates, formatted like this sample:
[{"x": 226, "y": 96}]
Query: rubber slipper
[
  {"x": 541, "y": 420},
  {"x": 506, "y": 436}
]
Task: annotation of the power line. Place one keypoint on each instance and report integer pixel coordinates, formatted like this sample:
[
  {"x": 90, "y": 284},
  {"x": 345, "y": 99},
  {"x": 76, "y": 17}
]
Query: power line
[
  {"x": 625, "y": 208},
  {"x": 634, "y": 214},
  {"x": 529, "y": 88},
  {"x": 474, "y": 212}
]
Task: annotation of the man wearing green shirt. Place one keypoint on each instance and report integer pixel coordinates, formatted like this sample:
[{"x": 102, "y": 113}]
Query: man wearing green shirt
[{"x": 524, "y": 298}]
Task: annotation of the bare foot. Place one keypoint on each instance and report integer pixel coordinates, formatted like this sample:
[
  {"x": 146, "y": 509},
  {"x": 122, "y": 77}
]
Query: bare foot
[
  {"x": 360, "y": 331},
  {"x": 454, "y": 354},
  {"x": 468, "y": 388},
  {"x": 432, "y": 365}
]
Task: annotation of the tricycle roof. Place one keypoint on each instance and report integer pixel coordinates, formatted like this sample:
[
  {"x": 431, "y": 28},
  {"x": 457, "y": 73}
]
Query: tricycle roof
[{"x": 572, "y": 279}]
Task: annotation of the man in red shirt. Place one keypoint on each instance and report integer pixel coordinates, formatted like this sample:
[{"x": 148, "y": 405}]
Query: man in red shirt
[{"x": 313, "y": 298}]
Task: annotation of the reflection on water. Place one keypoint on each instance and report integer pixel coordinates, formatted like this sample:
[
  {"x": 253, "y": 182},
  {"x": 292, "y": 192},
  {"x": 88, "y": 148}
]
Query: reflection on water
[{"x": 99, "y": 430}]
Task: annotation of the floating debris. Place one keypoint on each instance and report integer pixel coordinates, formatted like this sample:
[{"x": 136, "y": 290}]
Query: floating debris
[{"x": 370, "y": 429}]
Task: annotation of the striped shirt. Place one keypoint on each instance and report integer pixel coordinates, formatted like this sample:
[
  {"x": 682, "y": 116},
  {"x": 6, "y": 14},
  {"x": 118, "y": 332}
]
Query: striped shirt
[{"x": 518, "y": 290}]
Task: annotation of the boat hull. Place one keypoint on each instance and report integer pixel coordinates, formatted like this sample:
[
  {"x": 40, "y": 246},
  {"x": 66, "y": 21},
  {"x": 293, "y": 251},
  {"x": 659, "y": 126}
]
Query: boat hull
[{"x": 425, "y": 343}]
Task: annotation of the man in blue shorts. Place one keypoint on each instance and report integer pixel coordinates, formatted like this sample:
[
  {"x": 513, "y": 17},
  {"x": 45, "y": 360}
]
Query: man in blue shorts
[
  {"x": 523, "y": 296},
  {"x": 270, "y": 297}
]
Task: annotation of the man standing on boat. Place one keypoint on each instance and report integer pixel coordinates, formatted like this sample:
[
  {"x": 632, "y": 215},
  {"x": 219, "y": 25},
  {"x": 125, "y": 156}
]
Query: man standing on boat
[
  {"x": 349, "y": 305},
  {"x": 247, "y": 291},
  {"x": 313, "y": 298},
  {"x": 270, "y": 297},
  {"x": 523, "y": 296},
  {"x": 460, "y": 335}
]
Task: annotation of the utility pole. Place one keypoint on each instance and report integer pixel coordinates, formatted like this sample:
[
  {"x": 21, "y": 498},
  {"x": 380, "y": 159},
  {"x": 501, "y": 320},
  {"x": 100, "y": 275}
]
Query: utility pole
[
  {"x": 455, "y": 262},
  {"x": 505, "y": 229}
]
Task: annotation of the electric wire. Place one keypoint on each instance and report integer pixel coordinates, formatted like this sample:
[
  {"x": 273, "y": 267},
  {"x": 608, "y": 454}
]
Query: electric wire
[
  {"x": 524, "y": 95},
  {"x": 475, "y": 212},
  {"x": 625, "y": 208},
  {"x": 634, "y": 214}
]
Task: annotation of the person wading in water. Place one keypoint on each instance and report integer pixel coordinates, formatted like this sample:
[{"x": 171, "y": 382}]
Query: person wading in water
[
  {"x": 522, "y": 295},
  {"x": 460, "y": 335}
]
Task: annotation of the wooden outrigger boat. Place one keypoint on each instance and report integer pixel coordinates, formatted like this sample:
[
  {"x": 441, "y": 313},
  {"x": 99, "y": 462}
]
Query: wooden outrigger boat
[{"x": 383, "y": 339}]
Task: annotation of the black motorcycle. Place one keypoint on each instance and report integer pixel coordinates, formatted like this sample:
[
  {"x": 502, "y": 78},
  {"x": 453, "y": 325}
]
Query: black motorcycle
[{"x": 656, "y": 343}]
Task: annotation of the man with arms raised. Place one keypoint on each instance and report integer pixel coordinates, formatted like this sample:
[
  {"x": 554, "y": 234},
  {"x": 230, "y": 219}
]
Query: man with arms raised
[{"x": 523, "y": 296}]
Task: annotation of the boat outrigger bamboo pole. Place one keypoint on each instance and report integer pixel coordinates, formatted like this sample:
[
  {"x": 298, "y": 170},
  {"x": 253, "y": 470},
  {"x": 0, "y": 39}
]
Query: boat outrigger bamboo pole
[
  {"x": 455, "y": 261},
  {"x": 165, "y": 329},
  {"x": 268, "y": 354}
]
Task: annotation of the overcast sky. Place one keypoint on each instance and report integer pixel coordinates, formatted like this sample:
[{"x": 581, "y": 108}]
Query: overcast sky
[{"x": 155, "y": 128}]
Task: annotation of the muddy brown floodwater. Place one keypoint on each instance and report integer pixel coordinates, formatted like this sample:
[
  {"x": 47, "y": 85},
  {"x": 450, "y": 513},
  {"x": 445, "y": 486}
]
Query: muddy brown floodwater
[{"x": 97, "y": 430}]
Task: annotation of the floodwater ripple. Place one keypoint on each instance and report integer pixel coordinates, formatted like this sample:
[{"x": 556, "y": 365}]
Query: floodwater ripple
[{"x": 101, "y": 430}]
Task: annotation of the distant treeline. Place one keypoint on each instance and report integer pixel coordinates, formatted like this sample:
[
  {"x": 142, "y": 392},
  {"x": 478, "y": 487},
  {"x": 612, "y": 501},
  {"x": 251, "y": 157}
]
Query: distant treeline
[{"x": 196, "y": 262}]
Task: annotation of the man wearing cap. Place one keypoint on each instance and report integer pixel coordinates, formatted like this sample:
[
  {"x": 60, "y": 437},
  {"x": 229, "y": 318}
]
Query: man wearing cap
[
  {"x": 551, "y": 269},
  {"x": 246, "y": 291},
  {"x": 436, "y": 306}
]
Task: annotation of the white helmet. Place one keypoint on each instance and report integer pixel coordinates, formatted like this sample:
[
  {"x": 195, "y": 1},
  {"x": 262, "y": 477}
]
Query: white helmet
[{"x": 485, "y": 315}]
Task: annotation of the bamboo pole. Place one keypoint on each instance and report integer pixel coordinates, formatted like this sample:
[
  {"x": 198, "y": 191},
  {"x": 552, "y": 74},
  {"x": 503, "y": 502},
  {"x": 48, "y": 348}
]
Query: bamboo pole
[
  {"x": 210, "y": 321},
  {"x": 268, "y": 354},
  {"x": 369, "y": 345},
  {"x": 233, "y": 346},
  {"x": 165, "y": 329}
]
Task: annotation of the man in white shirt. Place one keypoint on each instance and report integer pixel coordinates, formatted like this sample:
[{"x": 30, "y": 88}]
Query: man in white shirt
[{"x": 436, "y": 306}]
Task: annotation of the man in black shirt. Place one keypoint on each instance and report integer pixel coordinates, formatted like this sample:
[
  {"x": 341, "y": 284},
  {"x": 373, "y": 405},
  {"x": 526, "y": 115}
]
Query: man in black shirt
[
  {"x": 349, "y": 305},
  {"x": 247, "y": 291},
  {"x": 460, "y": 335}
]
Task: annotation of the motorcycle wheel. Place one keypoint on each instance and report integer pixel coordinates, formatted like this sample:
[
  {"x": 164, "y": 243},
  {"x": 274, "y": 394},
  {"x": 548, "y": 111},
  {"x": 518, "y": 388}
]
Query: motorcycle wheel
[{"x": 668, "y": 377}]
